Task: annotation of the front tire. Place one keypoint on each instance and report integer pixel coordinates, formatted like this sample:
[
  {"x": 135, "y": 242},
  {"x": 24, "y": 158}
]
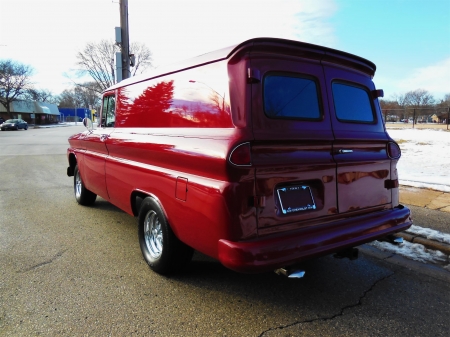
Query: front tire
[
  {"x": 162, "y": 250},
  {"x": 82, "y": 194}
]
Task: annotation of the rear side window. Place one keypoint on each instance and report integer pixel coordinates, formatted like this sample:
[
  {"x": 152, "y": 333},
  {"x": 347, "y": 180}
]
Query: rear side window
[
  {"x": 290, "y": 96},
  {"x": 352, "y": 104}
]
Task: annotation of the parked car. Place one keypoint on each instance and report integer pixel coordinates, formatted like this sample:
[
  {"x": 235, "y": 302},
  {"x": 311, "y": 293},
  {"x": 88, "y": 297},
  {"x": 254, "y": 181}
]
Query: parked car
[
  {"x": 261, "y": 155},
  {"x": 14, "y": 124}
]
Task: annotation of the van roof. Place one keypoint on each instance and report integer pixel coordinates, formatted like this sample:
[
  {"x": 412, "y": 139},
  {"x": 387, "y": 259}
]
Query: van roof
[{"x": 259, "y": 44}]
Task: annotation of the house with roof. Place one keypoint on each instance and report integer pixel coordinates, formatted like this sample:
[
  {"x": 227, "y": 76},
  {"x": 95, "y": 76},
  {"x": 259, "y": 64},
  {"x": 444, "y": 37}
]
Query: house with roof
[{"x": 33, "y": 112}]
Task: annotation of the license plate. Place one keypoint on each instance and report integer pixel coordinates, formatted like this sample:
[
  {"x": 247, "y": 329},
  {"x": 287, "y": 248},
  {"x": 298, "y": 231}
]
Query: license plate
[{"x": 295, "y": 199}]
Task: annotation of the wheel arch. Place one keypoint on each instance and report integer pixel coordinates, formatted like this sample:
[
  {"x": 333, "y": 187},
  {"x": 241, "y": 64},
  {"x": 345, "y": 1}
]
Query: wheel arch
[
  {"x": 136, "y": 198},
  {"x": 72, "y": 163}
]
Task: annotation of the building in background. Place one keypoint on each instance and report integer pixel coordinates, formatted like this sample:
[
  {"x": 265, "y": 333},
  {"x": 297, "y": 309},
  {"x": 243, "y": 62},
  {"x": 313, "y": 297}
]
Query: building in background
[
  {"x": 33, "y": 112},
  {"x": 76, "y": 114}
]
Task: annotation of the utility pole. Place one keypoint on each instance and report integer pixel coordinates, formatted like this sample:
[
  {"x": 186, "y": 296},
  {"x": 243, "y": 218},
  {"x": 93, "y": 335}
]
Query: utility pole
[{"x": 125, "y": 44}]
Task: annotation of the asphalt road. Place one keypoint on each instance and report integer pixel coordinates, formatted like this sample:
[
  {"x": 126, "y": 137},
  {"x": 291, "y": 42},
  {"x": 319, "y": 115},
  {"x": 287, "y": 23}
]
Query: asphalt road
[{"x": 68, "y": 270}]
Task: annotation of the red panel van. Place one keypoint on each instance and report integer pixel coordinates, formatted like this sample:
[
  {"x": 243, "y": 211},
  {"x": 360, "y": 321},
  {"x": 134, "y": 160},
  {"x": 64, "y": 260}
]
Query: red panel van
[{"x": 261, "y": 155}]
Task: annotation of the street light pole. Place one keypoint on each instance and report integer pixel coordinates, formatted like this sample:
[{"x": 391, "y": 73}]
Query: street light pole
[{"x": 448, "y": 116}]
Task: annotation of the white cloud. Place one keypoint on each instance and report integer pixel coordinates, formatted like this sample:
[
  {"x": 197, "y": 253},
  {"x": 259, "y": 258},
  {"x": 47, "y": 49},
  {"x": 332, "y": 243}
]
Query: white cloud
[
  {"x": 47, "y": 34},
  {"x": 434, "y": 78},
  {"x": 175, "y": 30}
]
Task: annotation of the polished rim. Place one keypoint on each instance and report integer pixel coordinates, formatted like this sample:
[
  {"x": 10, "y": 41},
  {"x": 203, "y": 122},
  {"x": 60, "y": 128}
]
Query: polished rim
[
  {"x": 78, "y": 185},
  {"x": 153, "y": 234}
]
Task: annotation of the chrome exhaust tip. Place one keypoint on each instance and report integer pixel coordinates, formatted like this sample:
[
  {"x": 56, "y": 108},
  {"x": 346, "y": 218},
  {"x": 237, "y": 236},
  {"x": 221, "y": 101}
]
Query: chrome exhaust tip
[
  {"x": 290, "y": 273},
  {"x": 394, "y": 239}
]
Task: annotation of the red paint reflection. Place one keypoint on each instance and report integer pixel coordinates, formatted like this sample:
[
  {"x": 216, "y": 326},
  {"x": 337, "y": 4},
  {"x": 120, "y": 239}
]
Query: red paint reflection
[{"x": 157, "y": 107}]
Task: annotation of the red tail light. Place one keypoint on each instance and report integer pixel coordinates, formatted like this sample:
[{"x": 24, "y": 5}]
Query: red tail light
[
  {"x": 241, "y": 155},
  {"x": 393, "y": 150}
]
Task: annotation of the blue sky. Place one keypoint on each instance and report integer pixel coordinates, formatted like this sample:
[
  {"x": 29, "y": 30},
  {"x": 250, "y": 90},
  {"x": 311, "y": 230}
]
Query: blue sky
[{"x": 409, "y": 40}]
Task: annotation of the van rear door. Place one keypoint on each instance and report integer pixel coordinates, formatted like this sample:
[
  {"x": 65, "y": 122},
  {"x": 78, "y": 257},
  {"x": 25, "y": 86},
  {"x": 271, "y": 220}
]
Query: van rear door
[
  {"x": 292, "y": 148},
  {"x": 360, "y": 147}
]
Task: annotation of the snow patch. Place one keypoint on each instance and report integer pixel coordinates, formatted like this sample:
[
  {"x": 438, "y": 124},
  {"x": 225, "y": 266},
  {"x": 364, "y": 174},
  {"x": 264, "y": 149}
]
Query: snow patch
[
  {"x": 425, "y": 161},
  {"x": 413, "y": 251},
  {"x": 429, "y": 234}
]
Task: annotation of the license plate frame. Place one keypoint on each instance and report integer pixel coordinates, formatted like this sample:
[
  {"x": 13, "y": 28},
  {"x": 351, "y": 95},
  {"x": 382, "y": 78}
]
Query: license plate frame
[{"x": 295, "y": 198}]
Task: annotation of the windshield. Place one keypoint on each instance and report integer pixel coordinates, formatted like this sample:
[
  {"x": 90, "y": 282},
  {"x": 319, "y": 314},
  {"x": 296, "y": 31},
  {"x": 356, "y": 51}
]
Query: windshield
[{"x": 11, "y": 120}]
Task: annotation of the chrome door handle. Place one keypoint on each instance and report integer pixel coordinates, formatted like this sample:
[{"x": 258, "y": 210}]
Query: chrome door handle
[
  {"x": 104, "y": 137},
  {"x": 341, "y": 151}
]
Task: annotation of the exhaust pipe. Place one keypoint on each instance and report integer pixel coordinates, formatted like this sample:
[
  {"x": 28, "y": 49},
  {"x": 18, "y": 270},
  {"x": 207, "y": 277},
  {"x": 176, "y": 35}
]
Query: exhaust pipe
[
  {"x": 290, "y": 273},
  {"x": 350, "y": 253},
  {"x": 394, "y": 239}
]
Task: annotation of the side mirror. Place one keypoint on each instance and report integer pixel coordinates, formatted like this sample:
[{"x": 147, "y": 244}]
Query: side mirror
[
  {"x": 88, "y": 124},
  {"x": 377, "y": 93}
]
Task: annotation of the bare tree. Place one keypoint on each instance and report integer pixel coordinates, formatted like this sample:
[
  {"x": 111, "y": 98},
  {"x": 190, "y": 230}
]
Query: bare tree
[
  {"x": 15, "y": 80},
  {"x": 87, "y": 95},
  {"x": 97, "y": 60},
  {"x": 41, "y": 95},
  {"x": 84, "y": 95},
  {"x": 417, "y": 102},
  {"x": 67, "y": 99},
  {"x": 418, "y": 98},
  {"x": 143, "y": 58},
  {"x": 392, "y": 111}
]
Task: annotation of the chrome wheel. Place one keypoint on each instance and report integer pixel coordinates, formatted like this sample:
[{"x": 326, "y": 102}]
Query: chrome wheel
[
  {"x": 153, "y": 234},
  {"x": 82, "y": 195},
  {"x": 78, "y": 185},
  {"x": 161, "y": 249}
]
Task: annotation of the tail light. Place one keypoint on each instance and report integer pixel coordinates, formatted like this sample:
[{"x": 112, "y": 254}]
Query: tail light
[
  {"x": 241, "y": 155},
  {"x": 393, "y": 150}
]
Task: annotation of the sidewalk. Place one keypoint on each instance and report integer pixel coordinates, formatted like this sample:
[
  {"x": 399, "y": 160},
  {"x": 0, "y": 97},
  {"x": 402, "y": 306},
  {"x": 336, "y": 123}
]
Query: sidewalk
[
  {"x": 425, "y": 198},
  {"x": 429, "y": 199}
]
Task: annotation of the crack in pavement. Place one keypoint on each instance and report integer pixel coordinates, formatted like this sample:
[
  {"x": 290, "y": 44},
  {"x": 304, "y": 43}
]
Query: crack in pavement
[
  {"x": 57, "y": 256},
  {"x": 340, "y": 313}
]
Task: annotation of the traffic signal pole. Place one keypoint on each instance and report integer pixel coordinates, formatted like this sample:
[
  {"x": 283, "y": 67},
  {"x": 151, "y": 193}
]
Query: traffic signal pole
[{"x": 125, "y": 39}]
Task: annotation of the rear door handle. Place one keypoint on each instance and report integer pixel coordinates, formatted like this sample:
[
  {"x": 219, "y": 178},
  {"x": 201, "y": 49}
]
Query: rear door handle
[
  {"x": 342, "y": 151},
  {"x": 103, "y": 138}
]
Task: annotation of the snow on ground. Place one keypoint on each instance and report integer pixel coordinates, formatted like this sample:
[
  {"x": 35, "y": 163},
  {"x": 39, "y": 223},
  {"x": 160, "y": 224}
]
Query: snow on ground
[
  {"x": 425, "y": 160},
  {"x": 415, "y": 252},
  {"x": 429, "y": 234}
]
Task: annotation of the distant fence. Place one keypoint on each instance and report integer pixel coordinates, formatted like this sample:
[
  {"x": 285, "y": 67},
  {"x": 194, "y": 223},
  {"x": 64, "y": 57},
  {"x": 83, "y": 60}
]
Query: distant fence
[
  {"x": 401, "y": 125},
  {"x": 415, "y": 117}
]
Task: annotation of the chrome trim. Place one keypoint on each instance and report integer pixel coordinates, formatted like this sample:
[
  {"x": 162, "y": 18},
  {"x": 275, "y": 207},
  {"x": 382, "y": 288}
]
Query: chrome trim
[{"x": 231, "y": 153}]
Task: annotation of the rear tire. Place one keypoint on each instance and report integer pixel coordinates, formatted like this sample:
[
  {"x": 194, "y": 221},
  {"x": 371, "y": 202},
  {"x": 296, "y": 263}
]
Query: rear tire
[
  {"x": 161, "y": 249},
  {"x": 82, "y": 194}
]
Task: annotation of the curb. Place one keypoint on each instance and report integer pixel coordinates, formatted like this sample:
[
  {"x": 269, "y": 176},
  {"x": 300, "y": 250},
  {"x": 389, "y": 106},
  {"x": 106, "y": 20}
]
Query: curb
[
  {"x": 429, "y": 244},
  {"x": 428, "y": 269}
]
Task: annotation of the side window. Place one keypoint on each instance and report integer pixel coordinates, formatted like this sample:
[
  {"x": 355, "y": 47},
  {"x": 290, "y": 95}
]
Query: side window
[
  {"x": 352, "y": 103},
  {"x": 290, "y": 96},
  {"x": 109, "y": 111}
]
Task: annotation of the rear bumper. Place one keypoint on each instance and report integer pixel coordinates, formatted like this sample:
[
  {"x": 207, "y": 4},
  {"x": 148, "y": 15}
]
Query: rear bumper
[{"x": 283, "y": 250}]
